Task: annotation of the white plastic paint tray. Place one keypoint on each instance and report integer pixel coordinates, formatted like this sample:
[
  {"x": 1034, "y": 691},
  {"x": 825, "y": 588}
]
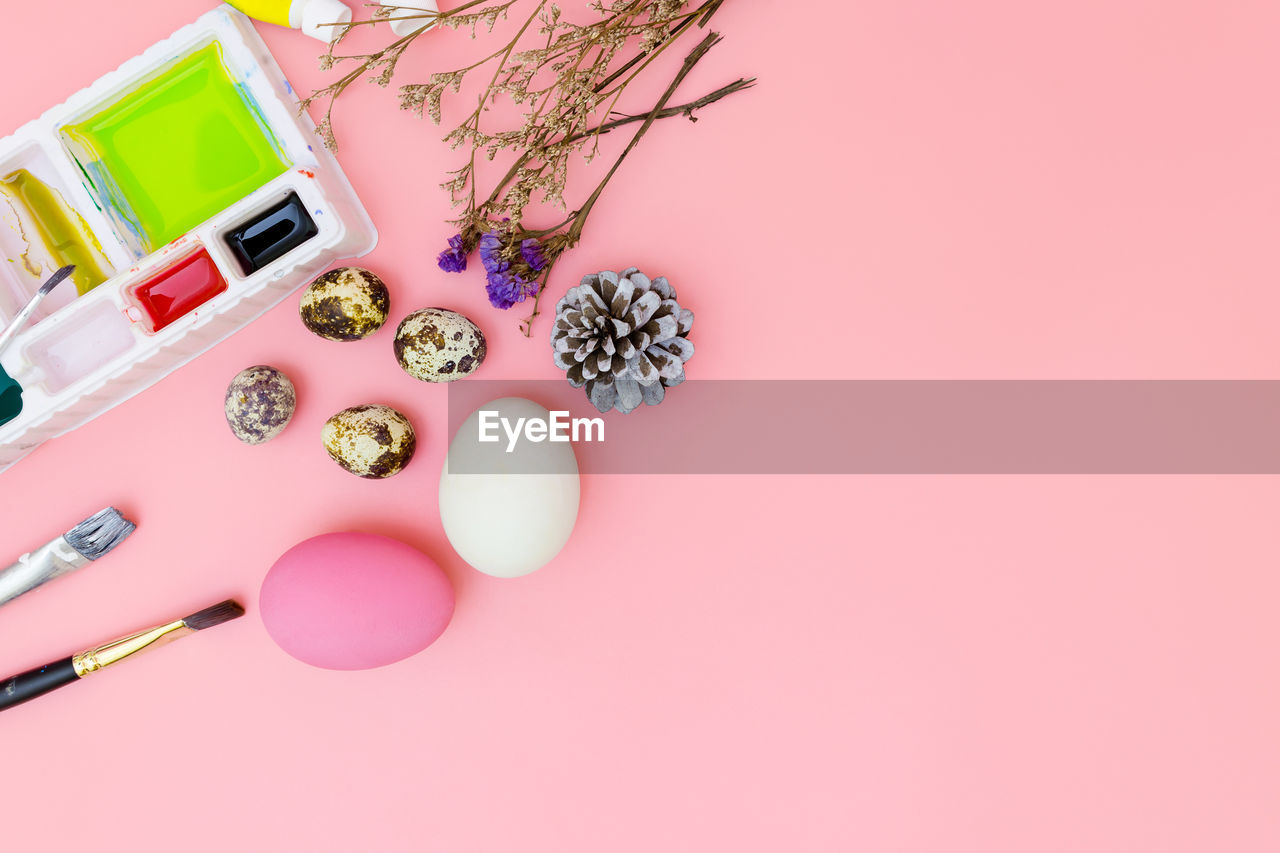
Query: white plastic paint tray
[{"x": 84, "y": 354}]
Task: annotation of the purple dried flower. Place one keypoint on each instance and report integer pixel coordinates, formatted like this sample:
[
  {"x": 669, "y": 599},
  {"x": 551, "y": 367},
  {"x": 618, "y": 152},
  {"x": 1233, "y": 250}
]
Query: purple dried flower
[
  {"x": 454, "y": 258},
  {"x": 491, "y": 252},
  {"x": 507, "y": 288},
  {"x": 532, "y": 252},
  {"x": 503, "y": 289}
]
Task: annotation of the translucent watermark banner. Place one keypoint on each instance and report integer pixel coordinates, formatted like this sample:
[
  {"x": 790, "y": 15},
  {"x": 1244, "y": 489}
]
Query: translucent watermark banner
[{"x": 893, "y": 427}]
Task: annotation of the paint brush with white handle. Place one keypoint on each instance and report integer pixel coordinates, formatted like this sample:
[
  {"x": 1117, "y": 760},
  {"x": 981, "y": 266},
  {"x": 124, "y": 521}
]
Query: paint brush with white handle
[
  {"x": 75, "y": 549},
  {"x": 20, "y": 319}
]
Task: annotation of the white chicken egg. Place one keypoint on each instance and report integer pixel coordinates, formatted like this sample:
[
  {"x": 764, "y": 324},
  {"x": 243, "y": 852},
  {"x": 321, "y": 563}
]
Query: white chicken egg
[{"x": 508, "y": 507}]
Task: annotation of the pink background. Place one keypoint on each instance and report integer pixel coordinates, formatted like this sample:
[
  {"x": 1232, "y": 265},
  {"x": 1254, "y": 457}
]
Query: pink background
[{"x": 986, "y": 189}]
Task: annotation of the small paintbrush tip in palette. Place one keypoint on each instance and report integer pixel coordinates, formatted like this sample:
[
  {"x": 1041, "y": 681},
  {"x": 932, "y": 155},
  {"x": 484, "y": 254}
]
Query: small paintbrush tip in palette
[
  {"x": 57, "y": 278},
  {"x": 189, "y": 192}
]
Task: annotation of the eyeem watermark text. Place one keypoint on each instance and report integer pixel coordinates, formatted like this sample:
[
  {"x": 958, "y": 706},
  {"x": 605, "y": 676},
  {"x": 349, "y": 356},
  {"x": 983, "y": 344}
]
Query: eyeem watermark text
[{"x": 559, "y": 427}]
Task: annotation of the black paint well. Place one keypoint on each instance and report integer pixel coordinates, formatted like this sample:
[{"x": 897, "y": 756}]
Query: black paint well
[{"x": 271, "y": 234}]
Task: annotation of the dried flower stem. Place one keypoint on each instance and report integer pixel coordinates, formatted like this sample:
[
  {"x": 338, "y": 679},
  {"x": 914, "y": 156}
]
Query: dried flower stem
[
  {"x": 579, "y": 218},
  {"x": 686, "y": 110},
  {"x": 573, "y": 74}
]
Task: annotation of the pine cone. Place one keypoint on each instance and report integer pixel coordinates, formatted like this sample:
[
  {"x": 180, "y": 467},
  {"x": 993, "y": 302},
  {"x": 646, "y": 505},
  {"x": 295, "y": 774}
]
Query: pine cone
[{"x": 623, "y": 337}]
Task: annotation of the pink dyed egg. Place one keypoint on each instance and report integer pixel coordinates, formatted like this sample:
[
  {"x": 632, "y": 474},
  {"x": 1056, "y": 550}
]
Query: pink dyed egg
[{"x": 355, "y": 601}]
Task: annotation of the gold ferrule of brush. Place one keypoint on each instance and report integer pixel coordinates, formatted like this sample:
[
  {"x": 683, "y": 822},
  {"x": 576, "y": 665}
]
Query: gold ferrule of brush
[{"x": 117, "y": 650}]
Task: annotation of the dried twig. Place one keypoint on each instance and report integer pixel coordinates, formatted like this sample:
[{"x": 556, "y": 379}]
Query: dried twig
[{"x": 563, "y": 75}]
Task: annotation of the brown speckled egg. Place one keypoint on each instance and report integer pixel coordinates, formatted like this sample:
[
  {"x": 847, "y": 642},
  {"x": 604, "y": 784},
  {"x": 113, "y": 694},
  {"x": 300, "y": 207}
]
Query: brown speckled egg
[
  {"x": 345, "y": 304},
  {"x": 370, "y": 441},
  {"x": 438, "y": 345},
  {"x": 259, "y": 404}
]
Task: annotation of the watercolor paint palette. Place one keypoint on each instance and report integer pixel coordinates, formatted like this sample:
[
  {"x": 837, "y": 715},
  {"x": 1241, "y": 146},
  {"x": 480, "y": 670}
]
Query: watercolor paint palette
[{"x": 191, "y": 195}]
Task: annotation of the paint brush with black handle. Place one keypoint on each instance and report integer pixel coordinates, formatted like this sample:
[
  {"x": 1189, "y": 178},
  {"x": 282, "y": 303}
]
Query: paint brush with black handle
[
  {"x": 37, "y": 682},
  {"x": 75, "y": 549}
]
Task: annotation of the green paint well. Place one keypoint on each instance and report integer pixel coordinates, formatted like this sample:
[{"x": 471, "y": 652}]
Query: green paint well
[{"x": 176, "y": 149}]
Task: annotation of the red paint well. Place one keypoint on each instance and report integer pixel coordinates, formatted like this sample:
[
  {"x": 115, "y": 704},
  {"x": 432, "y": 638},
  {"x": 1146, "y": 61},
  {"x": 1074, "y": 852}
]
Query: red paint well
[{"x": 178, "y": 290}]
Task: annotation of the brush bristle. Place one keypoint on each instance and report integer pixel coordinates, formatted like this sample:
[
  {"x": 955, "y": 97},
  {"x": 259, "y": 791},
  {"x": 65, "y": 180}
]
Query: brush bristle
[
  {"x": 99, "y": 533},
  {"x": 56, "y": 279},
  {"x": 217, "y": 614}
]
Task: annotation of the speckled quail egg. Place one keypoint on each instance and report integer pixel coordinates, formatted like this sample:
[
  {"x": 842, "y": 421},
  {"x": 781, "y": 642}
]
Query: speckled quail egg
[
  {"x": 370, "y": 441},
  {"x": 259, "y": 404},
  {"x": 345, "y": 304},
  {"x": 438, "y": 345}
]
